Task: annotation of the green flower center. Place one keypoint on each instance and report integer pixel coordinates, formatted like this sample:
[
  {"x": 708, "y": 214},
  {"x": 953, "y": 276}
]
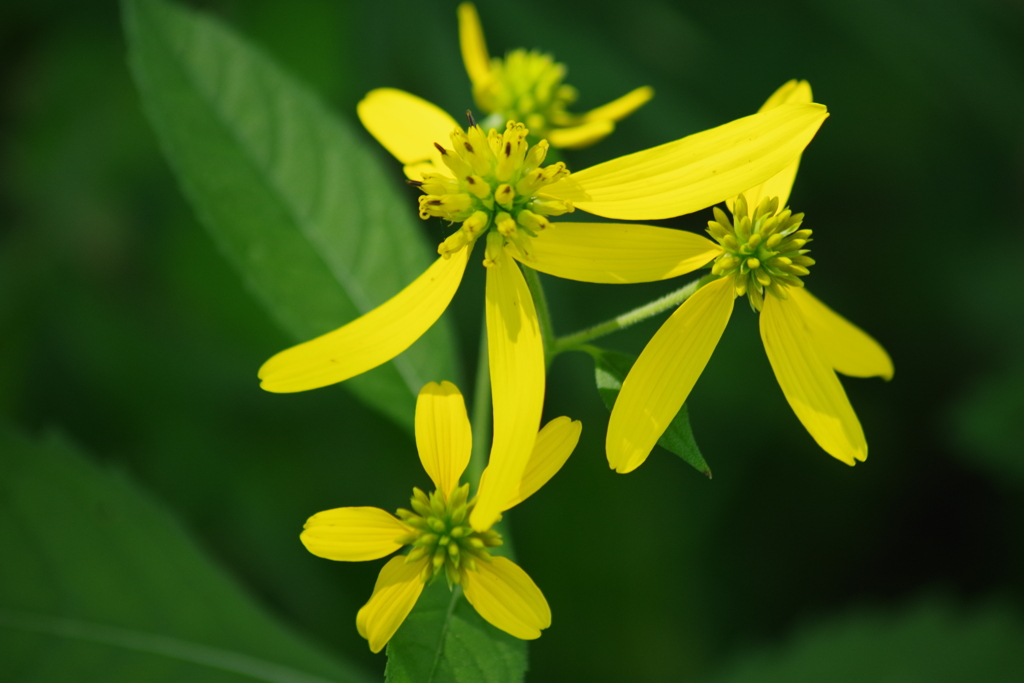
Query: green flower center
[
  {"x": 527, "y": 86},
  {"x": 762, "y": 253},
  {"x": 496, "y": 178},
  {"x": 443, "y": 534}
]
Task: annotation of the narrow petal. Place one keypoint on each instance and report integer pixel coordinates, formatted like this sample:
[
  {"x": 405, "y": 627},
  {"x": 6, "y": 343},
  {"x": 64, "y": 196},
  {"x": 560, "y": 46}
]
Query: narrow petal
[
  {"x": 579, "y": 136},
  {"x": 845, "y": 346},
  {"x": 507, "y": 597},
  {"x": 664, "y": 374},
  {"x": 617, "y": 253},
  {"x": 397, "y": 589},
  {"x": 516, "y": 356},
  {"x": 370, "y": 340},
  {"x": 616, "y": 110},
  {"x": 781, "y": 184},
  {"x": 474, "y": 48},
  {"x": 443, "y": 436},
  {"x": 808, "y": 381},
  {"x": 697, "y": 171},
  {"x": 406, "y": 125},
  {"x": 353, "y": 534},
  {"x": 554, "y": 445}
]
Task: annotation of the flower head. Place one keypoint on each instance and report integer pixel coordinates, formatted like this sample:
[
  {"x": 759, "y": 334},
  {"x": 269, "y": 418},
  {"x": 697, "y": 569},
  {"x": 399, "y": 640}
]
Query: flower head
[
  {"x": 763, "y": 255},
  {"x": 527, "y": 86},
  {"x": 437, "y": 532}
]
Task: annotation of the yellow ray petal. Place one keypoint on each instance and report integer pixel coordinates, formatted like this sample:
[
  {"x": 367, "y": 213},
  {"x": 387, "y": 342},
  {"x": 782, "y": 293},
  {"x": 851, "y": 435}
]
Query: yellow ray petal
[
  {"x": 406, "y": 125},
  {"x": 781, "y": 184},
  {"x": 507, "y": 597},
  {"x": 516, "y": 357},
  {"x": 353, "y": 534},
  {"x": 663, "y": 375},
  {"x": 616, "y": 110},
  {"x": 617, "y": 253},
  {"x": 474, "y": 48},
  {"x": 443, "y": 436},
  {"x": 553, "y": 447},
  {"x": 845, "y": 346},
  {"x": 416, "y": 171},
  {"x": 398, "y": 588},
  {"x": 695, "y": 172},
  {"x": 579, "y": 136},
  {"x": 809, "y": 383},
  {"x": 370, "y": 340}
]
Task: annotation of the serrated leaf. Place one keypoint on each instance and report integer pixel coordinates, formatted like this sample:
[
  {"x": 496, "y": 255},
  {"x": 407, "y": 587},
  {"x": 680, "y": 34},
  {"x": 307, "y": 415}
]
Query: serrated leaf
[
  {"x": 99, "y": 583},
  {"x": 610, "y": 369},
  {"x": 444, "y": 640},
  {"x": 291, "y": 195}
]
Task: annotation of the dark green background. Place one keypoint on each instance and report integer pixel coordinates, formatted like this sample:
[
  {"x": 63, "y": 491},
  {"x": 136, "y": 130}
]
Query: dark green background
[{"x": 121, "y": 325}]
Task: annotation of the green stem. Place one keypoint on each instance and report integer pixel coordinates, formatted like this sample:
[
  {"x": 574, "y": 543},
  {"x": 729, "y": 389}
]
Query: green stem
[
  {"x": 540, "y": 302},
  {"x": 577, "y": 340},
  {"x": 481, "y": 417}
]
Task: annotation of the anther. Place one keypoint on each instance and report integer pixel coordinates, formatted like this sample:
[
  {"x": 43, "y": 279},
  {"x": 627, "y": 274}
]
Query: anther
[{"x": 470, "y": 119}]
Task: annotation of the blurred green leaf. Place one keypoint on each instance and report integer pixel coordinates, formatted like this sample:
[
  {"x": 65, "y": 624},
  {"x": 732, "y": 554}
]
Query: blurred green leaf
[
  {"x": 610, "y": 369},
  {"x": 444, "y": 640},
  {"x": 98, "y": 582},
  {"x": 930, "y": 643},
  {"x": 293, "y": 198}
]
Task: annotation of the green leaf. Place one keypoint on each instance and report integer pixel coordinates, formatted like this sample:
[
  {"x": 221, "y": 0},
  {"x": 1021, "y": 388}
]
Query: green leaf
[
  {"x": 288, "y": 191},
  {"x": 444, "y": 640},
  {"x": 99, "y": 583},
  {"x": 930, "y": 643},
  {"x": 610, "y": 369}
]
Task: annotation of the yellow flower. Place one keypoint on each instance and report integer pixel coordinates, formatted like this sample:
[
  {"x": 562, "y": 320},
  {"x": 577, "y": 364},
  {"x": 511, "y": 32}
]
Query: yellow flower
[
  {"x": 762, "y": 255},
  {"x": 496, "y": 185},
  {"x": 527, "y": 86},
  {"x": 437, "y": 528}
]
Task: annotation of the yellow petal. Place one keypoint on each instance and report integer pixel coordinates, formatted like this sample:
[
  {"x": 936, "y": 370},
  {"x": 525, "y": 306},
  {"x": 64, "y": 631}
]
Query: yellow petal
[
  {"x": 516, "y": 357},
  {"x": 553, "y": 447},
  {"x": 583, "y": 135},
  {"x": 474, "y": 47},
  {"x": 845, "y": 346},
  {"x": 780, "y": 185},
  {"x": 617, "y": 253},
  {"x": 443, "y": 436},
  {"x": 507, "y": 597},
  {"x": 370, "y": 340},
  {"x": 616, "y": 110},
  {"x": 695, "y": 172},
  {"x": 406, "y": 125},
  {"x": 398, "y": 588},
  {"x": 809, "y": 383},
  {"x": 663, "y": 375},
  {"x": 353, "y": 534}
]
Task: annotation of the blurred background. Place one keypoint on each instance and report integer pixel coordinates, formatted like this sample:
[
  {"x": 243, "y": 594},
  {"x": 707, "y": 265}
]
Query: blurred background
[{"x": 122, "y": 326}]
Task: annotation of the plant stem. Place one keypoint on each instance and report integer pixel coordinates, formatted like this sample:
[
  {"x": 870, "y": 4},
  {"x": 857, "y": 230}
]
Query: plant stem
[
  {"x": 481, "y": 417},
  {"x": 576, "y": 340},
  {"x": 540, "y": 302}
]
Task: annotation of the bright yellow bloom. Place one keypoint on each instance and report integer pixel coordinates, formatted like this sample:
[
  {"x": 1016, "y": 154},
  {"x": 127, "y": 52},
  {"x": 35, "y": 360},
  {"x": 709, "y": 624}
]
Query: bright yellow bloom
[
  {"x": 527, "y": 86},
  {"x": 496, "y": 185},
  {"x": 762, "y": 255},
  {"x": 438, "y": 531}
]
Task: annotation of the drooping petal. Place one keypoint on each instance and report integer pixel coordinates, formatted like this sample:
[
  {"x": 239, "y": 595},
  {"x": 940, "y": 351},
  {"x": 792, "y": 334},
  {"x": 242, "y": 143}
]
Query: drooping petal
[
  {"x": 397, "y": 589},
  {"x": 808, "y": 381},
  {"x": 781, "y": 184},
  {"x": 406, "y": 125},
  {"x": 695, "y": 172},
  {"x": 616, "y": 110},
  {"x": 663, "y": 375},
  {"x": 370, "y": 340},
  {"x": 554, "y": 445},
  {"x": 443, "y": 436},
  {"x": 474, "y": 48},
  {"x": 579, "y": 136},
  {"x": 353, "y": 534},
  {"x": 516, "y": 357},
  {"x": 846, "y": 347},
  {"x": 507, "y": 597},
  {"x": 617, "y": 253}
]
